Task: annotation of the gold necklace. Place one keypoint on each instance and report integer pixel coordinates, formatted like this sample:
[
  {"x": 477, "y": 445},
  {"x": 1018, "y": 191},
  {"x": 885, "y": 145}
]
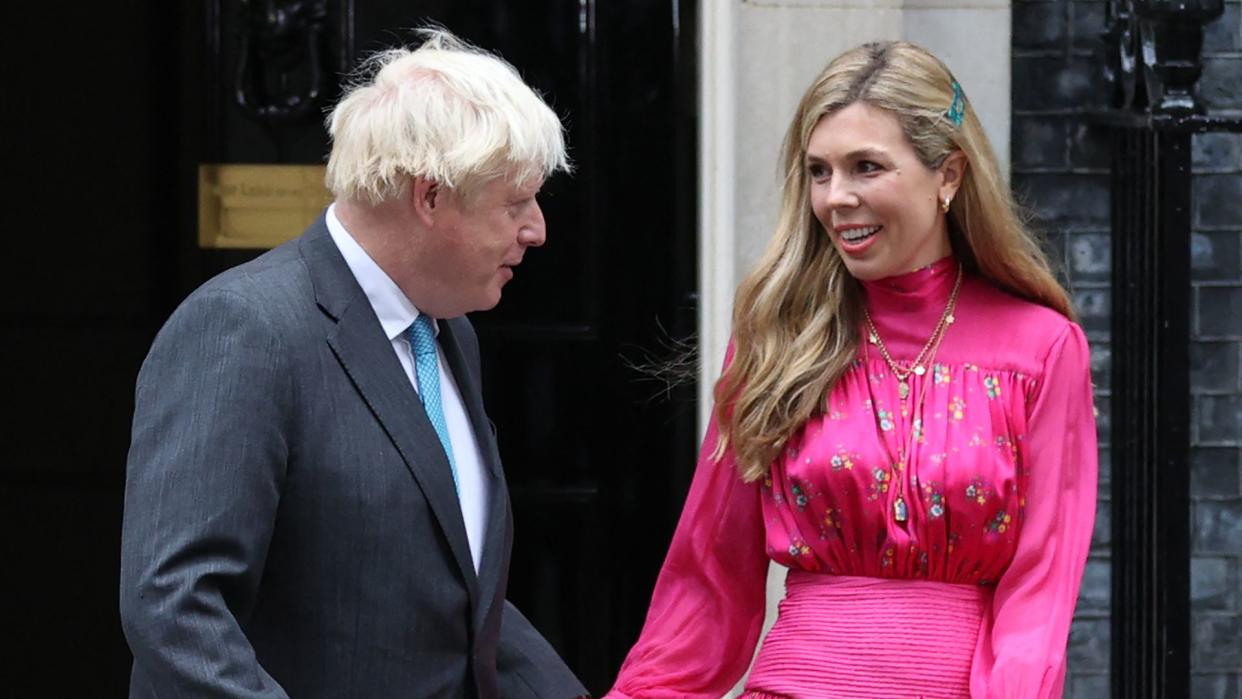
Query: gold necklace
[
  {"x": 901, "y": 512},
  {"x": 918, "y": 366}
]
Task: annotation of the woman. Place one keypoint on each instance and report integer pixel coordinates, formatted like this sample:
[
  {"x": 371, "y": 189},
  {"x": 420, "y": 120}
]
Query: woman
[{"x": 904, "y": 420}]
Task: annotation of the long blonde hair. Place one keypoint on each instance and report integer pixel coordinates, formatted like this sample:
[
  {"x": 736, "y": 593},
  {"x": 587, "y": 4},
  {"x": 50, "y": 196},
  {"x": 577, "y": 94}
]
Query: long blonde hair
[{"x": 796, "y": 315}]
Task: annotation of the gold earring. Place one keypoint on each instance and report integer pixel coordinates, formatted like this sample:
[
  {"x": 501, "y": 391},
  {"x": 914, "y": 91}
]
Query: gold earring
[{"x": 944, "y": 204}]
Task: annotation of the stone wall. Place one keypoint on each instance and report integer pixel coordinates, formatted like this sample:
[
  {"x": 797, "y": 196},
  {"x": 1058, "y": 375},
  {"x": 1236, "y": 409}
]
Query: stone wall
[{"x": 1060, "y": 170}]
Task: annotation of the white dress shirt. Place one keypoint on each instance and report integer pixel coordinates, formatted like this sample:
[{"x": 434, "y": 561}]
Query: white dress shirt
[{"x": 396, "y": 314}]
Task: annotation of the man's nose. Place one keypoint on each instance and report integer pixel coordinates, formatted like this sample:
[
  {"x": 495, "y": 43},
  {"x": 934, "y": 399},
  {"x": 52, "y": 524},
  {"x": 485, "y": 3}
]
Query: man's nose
[{"x": 534, "y": 230}]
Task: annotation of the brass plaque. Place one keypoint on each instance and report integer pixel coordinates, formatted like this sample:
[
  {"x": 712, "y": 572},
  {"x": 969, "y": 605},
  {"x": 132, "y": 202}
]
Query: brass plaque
[{"x": 257, "y": 206}]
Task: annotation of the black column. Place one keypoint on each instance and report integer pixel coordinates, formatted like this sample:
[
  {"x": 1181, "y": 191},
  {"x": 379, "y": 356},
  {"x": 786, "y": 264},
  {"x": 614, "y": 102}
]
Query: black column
[
  {"x": 1155, "y": 48},
  {"x": 1151, "y": 413}
]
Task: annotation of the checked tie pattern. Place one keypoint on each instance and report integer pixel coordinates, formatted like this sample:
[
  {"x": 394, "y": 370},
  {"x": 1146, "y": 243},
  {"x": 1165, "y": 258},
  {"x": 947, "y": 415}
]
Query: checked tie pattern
[{"x": 427, "y": 370}]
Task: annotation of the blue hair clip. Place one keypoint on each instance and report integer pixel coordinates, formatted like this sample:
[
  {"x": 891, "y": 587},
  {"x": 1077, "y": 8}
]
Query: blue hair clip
[{"x": 957, "y": 110}]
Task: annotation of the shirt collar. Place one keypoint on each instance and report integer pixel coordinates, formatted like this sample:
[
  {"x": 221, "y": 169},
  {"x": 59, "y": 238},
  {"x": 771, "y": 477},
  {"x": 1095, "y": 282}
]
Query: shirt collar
[{"x": 395, "y": 312}]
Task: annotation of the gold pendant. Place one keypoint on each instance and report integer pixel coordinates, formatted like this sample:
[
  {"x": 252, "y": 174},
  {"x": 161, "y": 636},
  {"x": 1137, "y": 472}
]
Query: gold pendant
[
  {"x": 899, "y": 510},
  {"x": 903, "y": 390}
]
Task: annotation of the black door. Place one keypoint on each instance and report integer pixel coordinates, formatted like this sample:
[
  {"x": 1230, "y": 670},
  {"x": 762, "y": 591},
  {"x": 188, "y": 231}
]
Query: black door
[{"x": 115, "y": 108}]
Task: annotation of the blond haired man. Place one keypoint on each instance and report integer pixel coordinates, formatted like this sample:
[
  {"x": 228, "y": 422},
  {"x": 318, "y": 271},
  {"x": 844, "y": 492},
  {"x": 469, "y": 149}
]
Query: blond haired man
[{"x": 315, "y": 505}]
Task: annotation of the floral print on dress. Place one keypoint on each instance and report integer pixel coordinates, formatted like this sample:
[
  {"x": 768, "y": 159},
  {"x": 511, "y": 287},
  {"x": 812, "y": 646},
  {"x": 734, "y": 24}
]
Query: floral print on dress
[
  {"x": 879, "y": 483},
  {"x": 977, "y": 492},
  {"x": 842, "y": 460},
  {"x": 800, "y": 493},
  {"x": 992, "y": 386},
  {"x": 1000, "y": 523},
  {"x": 933, "y": 498},
  {"x": 830, "y": 524},
  {"x": 798, "y": 548},
  {"x": 941, "y": 376},
  {"x": 1007, "y": 446},
  {"x": 886, "y": 419},
  {"x": 955, "y": 540},
  {"x": 957, "y": 408},
  {"x": 774, "y": 493}
]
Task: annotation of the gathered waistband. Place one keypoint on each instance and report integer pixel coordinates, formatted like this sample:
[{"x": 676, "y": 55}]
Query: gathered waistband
[
  {"x": 850, "y": 636},
  {"x": 801, "y": 580}
]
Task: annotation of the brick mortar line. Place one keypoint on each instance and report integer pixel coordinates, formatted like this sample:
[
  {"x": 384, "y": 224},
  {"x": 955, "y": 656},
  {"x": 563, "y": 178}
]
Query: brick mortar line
[
  {"x": 1217, "y": 338},
  {"x": 1062, "y": 171}
]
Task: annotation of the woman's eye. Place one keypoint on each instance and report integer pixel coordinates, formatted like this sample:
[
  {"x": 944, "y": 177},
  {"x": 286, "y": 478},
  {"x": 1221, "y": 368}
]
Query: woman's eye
[
  {"x": 867, "y": 167},
  {"x": 817, "y": 171}
]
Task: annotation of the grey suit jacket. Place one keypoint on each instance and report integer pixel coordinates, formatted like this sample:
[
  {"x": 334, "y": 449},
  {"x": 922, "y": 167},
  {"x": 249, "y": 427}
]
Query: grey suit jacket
[{"x": 291, "y": 526}]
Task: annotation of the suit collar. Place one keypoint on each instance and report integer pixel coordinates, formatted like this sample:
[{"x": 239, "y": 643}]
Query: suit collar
[
  {"x": 336, "y": 289},
  {"x": 394, "y": 309}
]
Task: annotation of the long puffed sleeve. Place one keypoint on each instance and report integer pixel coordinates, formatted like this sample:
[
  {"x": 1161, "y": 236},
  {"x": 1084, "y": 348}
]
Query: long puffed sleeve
[
  {"x": 1024, "y": 655},
  {"x": 707, "y": 609}
]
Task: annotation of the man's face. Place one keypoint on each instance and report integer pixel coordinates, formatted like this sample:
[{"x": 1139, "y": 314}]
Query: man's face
[{"x": 472, "y": 249}]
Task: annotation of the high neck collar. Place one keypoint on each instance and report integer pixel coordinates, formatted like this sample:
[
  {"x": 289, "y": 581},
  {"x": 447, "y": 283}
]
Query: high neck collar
[{"x": 925, "y": 287}]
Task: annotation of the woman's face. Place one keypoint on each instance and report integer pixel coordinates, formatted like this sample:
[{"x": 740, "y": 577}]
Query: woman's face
[{"x": 876, "y": 200}]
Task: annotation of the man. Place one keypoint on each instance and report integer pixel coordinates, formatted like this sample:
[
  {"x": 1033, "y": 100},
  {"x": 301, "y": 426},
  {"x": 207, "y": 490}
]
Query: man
[{"x": 314, "y": 504}]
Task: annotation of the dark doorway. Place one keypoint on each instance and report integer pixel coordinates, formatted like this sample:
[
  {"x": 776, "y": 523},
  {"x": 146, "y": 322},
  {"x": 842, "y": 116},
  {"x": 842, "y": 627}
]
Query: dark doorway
[{"x": 109, "y": 111}]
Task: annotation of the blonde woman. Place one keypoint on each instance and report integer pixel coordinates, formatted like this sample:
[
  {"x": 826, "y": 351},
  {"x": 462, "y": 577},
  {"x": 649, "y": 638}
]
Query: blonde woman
[{"x": 904, "y": 420}]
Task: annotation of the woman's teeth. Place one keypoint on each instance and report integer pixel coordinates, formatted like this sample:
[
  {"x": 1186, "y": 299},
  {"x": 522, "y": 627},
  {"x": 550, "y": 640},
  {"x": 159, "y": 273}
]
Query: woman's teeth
[{"x": 856, "y": 234}]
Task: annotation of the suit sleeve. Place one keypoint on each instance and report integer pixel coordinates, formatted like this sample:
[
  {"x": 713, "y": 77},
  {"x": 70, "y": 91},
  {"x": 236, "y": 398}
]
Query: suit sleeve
[
  {"x": 707, "y": 608},
  {"x": 1024, "y": 655},
  {"x": 203, "y": 482},
  {"x": 527, "y": 665}
]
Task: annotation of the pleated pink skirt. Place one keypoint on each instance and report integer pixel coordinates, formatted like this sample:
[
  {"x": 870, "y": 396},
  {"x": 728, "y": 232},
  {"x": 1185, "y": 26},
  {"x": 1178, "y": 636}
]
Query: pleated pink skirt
[{"x": 864, "y": 638}]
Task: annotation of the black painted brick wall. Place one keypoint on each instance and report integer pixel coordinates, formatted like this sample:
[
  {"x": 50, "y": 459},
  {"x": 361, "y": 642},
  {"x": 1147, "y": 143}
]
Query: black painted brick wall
[{"x": 1060, "y": 171}]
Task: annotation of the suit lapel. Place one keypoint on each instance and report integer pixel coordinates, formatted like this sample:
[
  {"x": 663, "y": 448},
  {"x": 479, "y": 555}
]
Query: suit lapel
[
  {"x": 494, "y": 565},
  {"x": 365, "y": 353}
]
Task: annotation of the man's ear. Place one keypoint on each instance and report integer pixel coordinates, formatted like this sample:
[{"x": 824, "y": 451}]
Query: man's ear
[
  {"x": 952, "y": 172},
  {"x": 425, "y": 199}
]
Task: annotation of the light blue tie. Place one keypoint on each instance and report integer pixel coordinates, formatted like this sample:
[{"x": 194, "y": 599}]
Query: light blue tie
[{"x": 427, "y": 369}]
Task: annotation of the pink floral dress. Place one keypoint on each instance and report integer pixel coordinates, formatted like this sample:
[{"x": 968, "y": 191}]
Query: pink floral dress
[{"x": 971, "y": 596}]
